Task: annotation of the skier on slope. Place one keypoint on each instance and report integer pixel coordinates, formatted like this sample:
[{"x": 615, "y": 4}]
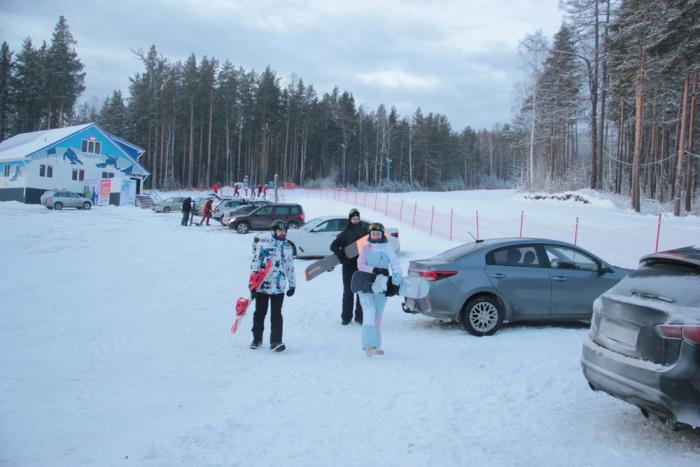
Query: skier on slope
[
  {"x": 377, "y": 256},
  {"x": 279, "y": 280},
  {"x": 353, "y": 232}
]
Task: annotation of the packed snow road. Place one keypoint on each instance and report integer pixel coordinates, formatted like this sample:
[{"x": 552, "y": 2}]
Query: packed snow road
[{"x": 115, "y": 350}]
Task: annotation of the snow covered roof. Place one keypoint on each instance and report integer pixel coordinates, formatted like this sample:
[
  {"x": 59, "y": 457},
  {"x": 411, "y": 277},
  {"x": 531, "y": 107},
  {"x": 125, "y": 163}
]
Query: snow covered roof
[{"x": 24, "y": 144}]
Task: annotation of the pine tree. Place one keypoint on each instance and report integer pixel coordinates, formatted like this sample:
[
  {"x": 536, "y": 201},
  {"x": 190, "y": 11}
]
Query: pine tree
[
  {"x": 5, "y": 79},
  {"x": 64, "y": 75}
]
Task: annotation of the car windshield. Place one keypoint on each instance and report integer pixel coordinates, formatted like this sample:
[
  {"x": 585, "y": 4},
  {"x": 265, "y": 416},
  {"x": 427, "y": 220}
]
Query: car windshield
[{"x": 313, "y": 223}]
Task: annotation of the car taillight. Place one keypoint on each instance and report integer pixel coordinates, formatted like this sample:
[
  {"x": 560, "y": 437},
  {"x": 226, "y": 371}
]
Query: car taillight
[
  {"x": 302, "y": 217},
  {"x": 679, "y": 331},
  {"x": 435, "y": 275},
  {"x": 395, "y": 234}
]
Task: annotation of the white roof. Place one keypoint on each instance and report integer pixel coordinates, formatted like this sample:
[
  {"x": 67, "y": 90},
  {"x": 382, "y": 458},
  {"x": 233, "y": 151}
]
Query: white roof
[{"x": 24, "y": 144}]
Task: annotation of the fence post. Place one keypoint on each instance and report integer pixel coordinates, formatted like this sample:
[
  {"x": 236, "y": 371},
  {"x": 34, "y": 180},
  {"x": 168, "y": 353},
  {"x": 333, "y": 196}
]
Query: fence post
[
  {"x": 376, "y": 195},
  {"x": 451, "y": 219},
  {"x": 401, "y": 212},
  {"x": 522, "y": 216},
  {"x": 576, "y": 232},
  {"x": 432, "y": 217},
  {"x": 364, "y": 203},
  {"x": 355, "y": 198},
  {"x": 415, "y": 206},
  {"x": 658, "y": 234},
  {"x": 477, "y": 224},
  {"x": 386, "y": 208}
]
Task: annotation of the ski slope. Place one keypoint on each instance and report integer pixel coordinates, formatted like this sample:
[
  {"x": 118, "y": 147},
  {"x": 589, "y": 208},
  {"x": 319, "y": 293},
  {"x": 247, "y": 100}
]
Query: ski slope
[{"x": 115, "y": 349}]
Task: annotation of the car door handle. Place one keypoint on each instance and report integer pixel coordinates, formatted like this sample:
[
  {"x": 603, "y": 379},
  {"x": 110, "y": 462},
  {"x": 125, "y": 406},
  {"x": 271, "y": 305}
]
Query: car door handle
[
  {"x": 559, "y": 278},
  {"x": 498, "y": 275}
]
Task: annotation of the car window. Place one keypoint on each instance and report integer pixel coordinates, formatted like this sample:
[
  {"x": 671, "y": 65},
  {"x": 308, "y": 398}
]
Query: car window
[
  {"x": 264, "y": 211},
  {"x": 296, "y": 210},
  {"x": 282, "y": 210},
  {"x": 561, "y": 257},
  {"x": 516, "y": 255}
]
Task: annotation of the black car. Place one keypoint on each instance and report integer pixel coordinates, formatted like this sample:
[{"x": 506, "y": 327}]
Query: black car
[
  {"x": 644, "y": 342},
  {"x": 262, "y": 217}
]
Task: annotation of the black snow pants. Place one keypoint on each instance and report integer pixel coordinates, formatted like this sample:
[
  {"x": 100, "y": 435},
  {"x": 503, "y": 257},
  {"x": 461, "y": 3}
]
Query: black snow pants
[
  {"x": 261, "y": 303},
  {"x": 349, "y": 298}
]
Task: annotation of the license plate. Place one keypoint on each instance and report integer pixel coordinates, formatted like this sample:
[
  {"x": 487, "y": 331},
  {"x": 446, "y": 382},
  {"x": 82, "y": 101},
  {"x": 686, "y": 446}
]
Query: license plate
[{"x": 619, "y": 333}]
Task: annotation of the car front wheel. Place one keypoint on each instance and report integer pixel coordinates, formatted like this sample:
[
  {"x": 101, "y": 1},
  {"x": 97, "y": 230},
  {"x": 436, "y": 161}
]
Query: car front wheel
[
  {"x": 166, "y": 209},
  {"x": 242, "y": 228},
  {"x": 482, "y": 316},
  {"x": 87, "y": 205},
  {"x": 58, "y": 206}
]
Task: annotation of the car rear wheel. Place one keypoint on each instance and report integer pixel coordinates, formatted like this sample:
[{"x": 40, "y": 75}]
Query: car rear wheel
[
  {"x": 87, "y": 205},
  {"x": 243, "y": 228},
  {"x": 58, "y": 205},
  {"x": 292, "y": 225},
  {"x": 166, "y": 209},
  {"x": 482, "y": 316}
]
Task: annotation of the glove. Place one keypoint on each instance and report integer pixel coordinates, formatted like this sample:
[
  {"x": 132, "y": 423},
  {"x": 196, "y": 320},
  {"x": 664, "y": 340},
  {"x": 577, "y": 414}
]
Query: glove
[
  {"x": 253, "y": 294},
  {"x": 290, "y": 291},
  {"x": 381, "y": 271}
]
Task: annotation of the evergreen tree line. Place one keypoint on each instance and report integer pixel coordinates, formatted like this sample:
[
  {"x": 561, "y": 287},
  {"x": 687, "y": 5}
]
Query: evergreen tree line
[{"x": 628, "y": 74}]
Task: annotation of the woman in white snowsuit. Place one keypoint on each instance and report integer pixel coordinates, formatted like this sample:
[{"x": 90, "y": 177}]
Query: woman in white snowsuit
[
  {"x": 377, "y": 256},
  {"x": 279, "y": 279}
]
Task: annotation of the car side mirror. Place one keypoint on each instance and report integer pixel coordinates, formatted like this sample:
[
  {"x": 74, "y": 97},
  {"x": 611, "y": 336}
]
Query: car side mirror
[
  {"x": 315, "y": 229},
  {"x": 604, "y": 269}
]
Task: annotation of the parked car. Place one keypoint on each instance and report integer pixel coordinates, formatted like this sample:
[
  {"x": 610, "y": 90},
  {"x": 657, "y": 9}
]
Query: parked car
[
  {"x": 489, "y": 283},
  {"x": 224, "y": 209},
  {"x": 314, "y": 238},
  {"x": 262, "y": 217},
  {"x": 169, "y": 204},
  {"x": 59, "y": 199},
  {"x": 644, "y": 342}
]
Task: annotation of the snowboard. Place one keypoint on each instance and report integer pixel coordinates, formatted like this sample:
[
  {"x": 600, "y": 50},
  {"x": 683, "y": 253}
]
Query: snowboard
[
  {"x": 254, "y": 282},
  {"x": 410, "y": 287},
  {"x": 329, "y": 262}
]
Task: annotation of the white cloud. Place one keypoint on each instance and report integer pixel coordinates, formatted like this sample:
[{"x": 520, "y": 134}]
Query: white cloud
[{"x": 398, "y": 79}]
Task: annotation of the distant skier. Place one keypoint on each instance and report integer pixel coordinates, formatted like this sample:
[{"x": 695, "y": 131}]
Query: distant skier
[
  {"x": 235, "y": 190},
  {"x": 206, "y": 212},
  {"x": 377, "y": 256},
  {"x": 353, "y": 232},
  {"x": 279, "y": 280},
  {"x": 186, "y": 206}
]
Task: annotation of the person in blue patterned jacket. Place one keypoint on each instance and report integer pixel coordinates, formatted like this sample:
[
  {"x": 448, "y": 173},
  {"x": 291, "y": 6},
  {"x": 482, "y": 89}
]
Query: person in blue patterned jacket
[{"x": 279, "y": 281}]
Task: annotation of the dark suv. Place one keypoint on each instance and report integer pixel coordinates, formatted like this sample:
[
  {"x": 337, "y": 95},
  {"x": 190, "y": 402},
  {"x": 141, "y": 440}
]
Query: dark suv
[
  {"x": 644, "y": 343},
  {"x": 262, "y": 217}
]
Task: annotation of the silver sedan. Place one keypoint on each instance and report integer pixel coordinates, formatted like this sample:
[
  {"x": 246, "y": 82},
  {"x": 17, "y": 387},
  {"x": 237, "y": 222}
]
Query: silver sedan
[{"x": 491, "y": 282}]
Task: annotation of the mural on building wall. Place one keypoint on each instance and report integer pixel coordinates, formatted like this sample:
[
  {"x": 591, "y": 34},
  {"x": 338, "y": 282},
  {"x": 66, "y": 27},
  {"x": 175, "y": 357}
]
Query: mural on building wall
[
  {"x": 128, "y": 170},
  {"x": 72, "y": 157},
  {"x": 17, "y": 174},
  {"x": 109, "y": 160}
]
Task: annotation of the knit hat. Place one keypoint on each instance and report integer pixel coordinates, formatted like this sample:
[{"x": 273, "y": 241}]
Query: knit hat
[{"x": 353, "y": 213}]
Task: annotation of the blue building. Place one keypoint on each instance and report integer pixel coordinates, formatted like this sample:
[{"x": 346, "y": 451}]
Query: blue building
[{"x": 72, "y": 158}]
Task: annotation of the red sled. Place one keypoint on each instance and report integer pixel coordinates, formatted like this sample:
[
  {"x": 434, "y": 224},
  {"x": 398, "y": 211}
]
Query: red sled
[{"x": 254, "y": 283}]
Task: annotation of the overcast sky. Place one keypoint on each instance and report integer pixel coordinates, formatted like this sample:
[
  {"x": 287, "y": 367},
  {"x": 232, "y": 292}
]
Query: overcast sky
[{"x": 457, "y": 58}]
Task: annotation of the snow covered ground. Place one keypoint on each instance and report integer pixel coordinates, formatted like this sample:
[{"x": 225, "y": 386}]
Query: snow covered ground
[{"x": 115, "y": 349}]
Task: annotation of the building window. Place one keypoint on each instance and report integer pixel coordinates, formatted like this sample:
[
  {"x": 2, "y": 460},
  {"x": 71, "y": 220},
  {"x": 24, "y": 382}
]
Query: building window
[
  {"x": 78, "y": 174},
  {"x": 107, "y": 175},
  {"x": 92, "y": 146},
  {"x": 49, "y": 171},
  {"x": 42, "y": 170},
  {"x": 7, "y": 170}
]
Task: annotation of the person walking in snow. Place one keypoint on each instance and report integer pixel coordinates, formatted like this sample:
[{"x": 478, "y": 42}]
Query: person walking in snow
[
  {"x": 377, "y": 256},
  {"x": 186, "y": 206},
  {"x": 235, "y": 190},
  {"x": 353, "y": 232},
  {"x": 280, "y": 280},
  {"x": 206, "y": 212}
]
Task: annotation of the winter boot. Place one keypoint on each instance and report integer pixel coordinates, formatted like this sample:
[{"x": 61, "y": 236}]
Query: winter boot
[
  {"x": 279, "y": 347},
  {"x": 255, "y": 344},
  {"x": 369, "y": 351},
  {"x": 379, "y": 351}
]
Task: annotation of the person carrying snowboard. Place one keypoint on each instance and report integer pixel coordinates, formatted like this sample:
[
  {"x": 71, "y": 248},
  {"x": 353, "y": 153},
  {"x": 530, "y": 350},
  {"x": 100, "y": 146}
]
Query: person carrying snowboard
[
  {"x": 280, "y": 280},
  {"x": 376, "y": 257},
  {"x": 353, "y": 232}
]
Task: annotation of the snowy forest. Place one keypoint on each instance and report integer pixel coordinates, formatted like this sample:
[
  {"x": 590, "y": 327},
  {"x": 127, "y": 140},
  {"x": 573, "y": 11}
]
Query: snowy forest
[{"x": 610, "y": 103}]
